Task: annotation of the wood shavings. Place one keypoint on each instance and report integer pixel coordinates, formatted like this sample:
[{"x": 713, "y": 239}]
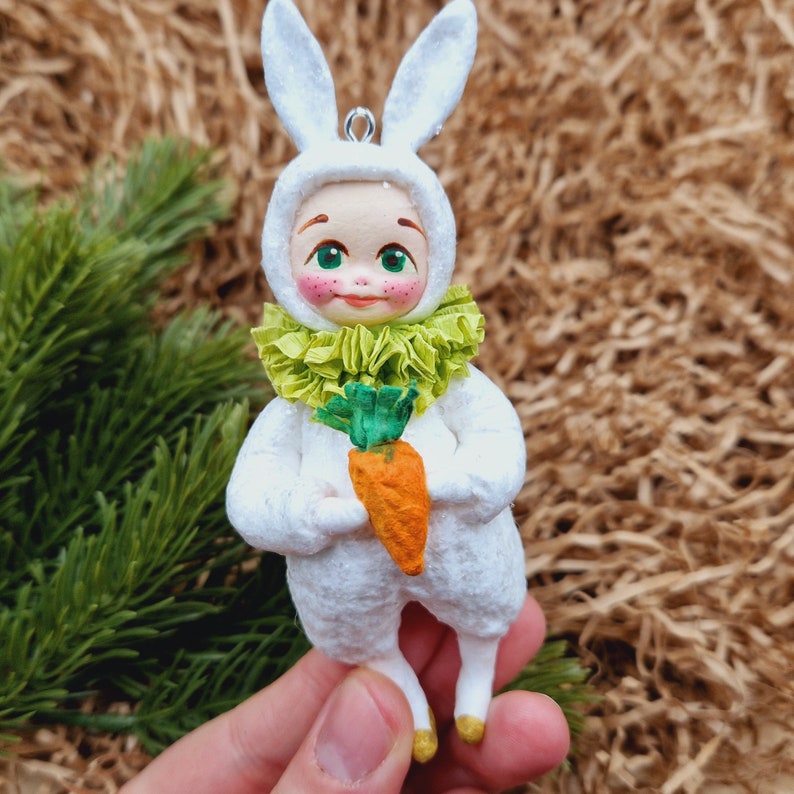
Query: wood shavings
[
  {"x": 623, "y": 179},
  {"x": 57, "y": 760}
]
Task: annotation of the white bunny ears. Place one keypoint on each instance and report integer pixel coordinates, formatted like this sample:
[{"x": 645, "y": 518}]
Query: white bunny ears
[
  {"x": 297, "y": 76},
  {"x": 427, "y": 87},
  {"x": 431, "y": 78}
]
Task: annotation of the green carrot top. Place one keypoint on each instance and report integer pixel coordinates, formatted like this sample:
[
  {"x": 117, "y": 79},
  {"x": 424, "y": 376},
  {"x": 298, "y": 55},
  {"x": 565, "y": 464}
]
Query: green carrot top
[{"x": 369, "y": 415}]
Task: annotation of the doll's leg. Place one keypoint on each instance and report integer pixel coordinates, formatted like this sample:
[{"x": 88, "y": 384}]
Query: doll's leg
[
  {"x": 475, "y": 685},
  {"x": 394, "y": 666},
  {"x": 474, "y": 582}
]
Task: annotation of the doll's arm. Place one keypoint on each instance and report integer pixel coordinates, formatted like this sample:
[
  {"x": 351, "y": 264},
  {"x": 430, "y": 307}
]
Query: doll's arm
[
  {"x": 267, "y": 500},
  {"x": 487, "y": 469}
]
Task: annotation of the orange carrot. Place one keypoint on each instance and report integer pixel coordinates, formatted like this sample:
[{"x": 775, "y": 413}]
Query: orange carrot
[
  {"x": 387, "y": 473},
  {"x": 389, "y": 479}
]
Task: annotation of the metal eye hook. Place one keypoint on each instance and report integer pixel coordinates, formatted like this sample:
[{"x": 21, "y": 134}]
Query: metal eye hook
[{"x": 360, "y": 113}]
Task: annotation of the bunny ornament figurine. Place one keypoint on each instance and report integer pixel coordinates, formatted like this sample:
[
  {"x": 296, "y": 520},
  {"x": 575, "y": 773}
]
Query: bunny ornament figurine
[{"x": 385, "y": 468}]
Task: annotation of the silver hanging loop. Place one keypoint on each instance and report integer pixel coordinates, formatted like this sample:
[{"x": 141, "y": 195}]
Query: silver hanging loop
[{"x": 360, "y": 113}]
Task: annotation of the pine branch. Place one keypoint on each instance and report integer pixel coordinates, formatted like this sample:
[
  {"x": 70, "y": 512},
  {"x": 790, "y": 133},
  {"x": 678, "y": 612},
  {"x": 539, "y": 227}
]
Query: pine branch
[
  {"x": 76, "y": 283},
  {"x": 166, "y": 196},
  {"x": 121, "y": 574}
]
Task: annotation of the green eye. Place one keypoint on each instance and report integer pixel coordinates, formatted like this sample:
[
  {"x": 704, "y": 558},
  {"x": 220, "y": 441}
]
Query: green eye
[
  {"x": 393, "y": 259},
  {"x": 329, "y": 256}
]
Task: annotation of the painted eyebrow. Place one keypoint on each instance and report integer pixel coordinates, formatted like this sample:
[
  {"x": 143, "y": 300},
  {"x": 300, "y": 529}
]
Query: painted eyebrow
[
  {"x": 411, "y": 224},
  {"x": 317, "y": 219}
]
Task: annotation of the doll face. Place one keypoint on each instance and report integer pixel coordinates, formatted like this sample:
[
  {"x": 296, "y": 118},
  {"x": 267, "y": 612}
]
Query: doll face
[{"x": 358, "y": 253}]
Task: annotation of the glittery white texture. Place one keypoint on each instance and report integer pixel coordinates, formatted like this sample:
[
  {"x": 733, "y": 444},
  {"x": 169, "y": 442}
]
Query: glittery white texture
[
  {"x": 431, "y": 78},
  {"x": 427, "y": 87},
  {"x": 290, "y": 490},
  {"x": 298, "y": 79},
  {"x": 345, "y": 585},
  {"x": 343, "y": 160}
]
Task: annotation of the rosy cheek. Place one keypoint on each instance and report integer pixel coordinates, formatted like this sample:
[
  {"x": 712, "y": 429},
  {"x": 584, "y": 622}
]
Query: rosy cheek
[
  {"x": 404, "y": 292},
  {"x": 317, "y": 288}
]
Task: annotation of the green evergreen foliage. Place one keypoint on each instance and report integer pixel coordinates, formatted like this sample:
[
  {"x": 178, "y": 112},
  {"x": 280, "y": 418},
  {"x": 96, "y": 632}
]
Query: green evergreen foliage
[
  {"x": 119, "y": 573},
  {"x": 556, "y": 673},
  {"x": 120, "y": 577}
]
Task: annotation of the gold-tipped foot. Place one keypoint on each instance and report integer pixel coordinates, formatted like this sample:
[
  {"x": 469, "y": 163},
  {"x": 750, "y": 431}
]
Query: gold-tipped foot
[
  {"x": 425, "y": 745},
  {"x": 470, "y": 729},
  {"x": 426, "y": 741}
]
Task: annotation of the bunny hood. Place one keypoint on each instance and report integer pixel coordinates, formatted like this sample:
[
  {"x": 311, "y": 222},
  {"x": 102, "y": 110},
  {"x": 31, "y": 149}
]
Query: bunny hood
[{"x": 427, "y": 87}]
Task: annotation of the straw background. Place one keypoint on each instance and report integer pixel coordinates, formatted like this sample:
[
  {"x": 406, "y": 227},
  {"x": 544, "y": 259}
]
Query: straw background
[{"x": 623, "y": 178}]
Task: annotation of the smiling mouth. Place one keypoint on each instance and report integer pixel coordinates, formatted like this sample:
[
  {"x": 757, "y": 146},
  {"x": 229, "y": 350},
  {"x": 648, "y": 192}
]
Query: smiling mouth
[{"x": 360, "y": 301}]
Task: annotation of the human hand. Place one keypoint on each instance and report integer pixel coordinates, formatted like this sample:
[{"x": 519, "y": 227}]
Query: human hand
[{"x": 323, "y": 727}]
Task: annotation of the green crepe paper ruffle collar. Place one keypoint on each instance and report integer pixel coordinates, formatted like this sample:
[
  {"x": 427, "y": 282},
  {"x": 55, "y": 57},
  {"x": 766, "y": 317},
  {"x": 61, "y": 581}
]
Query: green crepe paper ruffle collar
[{"x": 313, "y": 366}]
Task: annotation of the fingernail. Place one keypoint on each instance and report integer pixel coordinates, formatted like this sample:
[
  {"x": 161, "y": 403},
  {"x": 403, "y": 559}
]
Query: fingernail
[{"x": 355, "y": 737}]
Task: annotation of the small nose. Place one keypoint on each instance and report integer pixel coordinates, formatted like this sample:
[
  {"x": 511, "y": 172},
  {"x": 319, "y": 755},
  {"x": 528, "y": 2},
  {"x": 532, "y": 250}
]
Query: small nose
[{"x": 361, "y": 279}]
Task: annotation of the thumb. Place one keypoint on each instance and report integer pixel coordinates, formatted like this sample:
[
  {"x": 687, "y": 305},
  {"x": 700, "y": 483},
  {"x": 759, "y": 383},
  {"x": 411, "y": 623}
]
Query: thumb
[{"x": 361, "y": 739}]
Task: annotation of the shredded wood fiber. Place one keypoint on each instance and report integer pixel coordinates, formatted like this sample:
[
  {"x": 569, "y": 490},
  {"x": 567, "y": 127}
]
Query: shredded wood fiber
[{"x": 623, "y": 178}]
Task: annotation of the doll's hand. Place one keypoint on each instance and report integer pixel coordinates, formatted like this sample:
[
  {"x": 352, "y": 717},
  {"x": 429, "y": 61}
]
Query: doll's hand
[
  {"x": 338, "y": 516},
  {"x": 314, "y": 516},
  {"x": 484, "y": 496},
  {"x": 447, "y": 484}
]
